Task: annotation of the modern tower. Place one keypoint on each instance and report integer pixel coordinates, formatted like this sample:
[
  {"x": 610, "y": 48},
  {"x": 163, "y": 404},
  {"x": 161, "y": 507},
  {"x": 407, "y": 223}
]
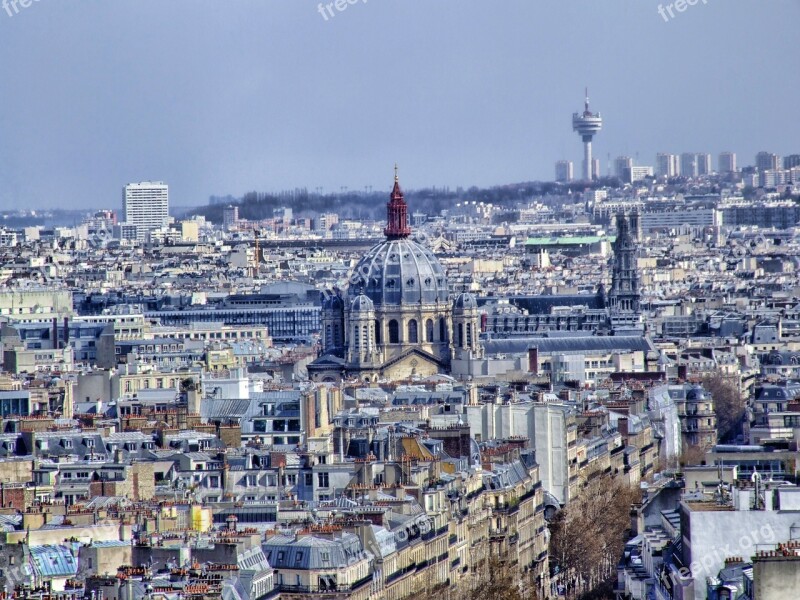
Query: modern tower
[
  {"x": 727, "y": 162},
  {"x": 564, "y": 173},
  {"x": 146, "y": 205},
  {"x": 587, "y": 124},
  {"x": 689, "y": 164}
]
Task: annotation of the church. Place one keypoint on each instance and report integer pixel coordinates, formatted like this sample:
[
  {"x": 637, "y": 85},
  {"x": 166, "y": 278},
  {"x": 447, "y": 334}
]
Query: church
[{"x": 396, "y": 320}]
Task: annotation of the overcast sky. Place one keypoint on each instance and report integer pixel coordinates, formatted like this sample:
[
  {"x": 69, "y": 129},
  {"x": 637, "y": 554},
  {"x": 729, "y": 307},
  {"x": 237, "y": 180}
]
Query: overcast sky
[{"x": 221, "y": 97}]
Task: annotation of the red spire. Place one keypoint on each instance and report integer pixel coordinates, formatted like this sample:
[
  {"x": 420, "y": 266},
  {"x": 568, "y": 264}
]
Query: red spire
[{"x": 397, "y": 213}]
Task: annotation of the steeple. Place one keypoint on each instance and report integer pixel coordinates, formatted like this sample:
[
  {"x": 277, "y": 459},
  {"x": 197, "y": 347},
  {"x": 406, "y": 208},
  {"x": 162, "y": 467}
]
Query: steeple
[{"x": 397, "y": 213}]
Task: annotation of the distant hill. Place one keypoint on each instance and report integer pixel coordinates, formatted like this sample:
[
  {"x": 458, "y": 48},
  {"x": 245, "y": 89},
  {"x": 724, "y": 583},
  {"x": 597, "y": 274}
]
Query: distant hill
[{"x": 258, "y": 205}]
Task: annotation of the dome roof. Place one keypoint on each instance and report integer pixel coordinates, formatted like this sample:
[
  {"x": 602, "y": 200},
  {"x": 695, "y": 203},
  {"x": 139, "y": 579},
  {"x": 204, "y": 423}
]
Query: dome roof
[
  {"x": 465, "y": 300},
  {"x": 399, "y": 271},
  {"x": 361, "y": 303},
  {"x": 696, "y": 393}
]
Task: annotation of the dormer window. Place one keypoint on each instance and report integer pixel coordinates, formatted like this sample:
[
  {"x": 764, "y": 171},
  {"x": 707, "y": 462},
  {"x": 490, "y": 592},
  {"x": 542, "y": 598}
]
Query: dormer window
[{"x": 66, "y": 443}]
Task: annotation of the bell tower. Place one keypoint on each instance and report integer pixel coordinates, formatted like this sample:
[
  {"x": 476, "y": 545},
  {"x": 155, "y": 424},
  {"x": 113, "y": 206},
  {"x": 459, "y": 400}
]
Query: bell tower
[
  {"x": 625, "y": 285},
  {"x": 397, "y": 226}
]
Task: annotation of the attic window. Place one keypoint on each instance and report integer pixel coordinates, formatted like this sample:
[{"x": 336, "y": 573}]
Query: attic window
[
  {"x": 298, "y": 557},
  {"x": 325, "y": 557}
]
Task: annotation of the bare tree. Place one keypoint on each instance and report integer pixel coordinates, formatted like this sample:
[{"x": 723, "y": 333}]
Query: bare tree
[
  {"x": 729, "y": 404},
  {"x": 589, "y": 534}
]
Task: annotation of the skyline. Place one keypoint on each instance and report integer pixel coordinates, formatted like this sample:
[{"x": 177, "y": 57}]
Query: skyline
[{"x": 274, "y": 97}]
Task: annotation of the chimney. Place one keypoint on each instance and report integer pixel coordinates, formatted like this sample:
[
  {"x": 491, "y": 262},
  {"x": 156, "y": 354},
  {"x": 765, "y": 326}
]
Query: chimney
[{"x": 533, "y": 360}]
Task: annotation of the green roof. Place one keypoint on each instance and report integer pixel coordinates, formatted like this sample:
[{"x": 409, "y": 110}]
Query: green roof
[{"x": 578, "y": 240}]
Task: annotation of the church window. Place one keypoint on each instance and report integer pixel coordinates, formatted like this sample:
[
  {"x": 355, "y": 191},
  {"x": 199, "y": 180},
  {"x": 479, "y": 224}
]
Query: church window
[
  {"x": 443, "y": 329},
  {"x": 413, "y": 331},
  {"x": 460, "y": 340},
  {"x": 377, "y": 331},
  {"x": 394, "y": 332},
  {"x": 429, "y": 330},
  {"x": 469, "y": 335}
]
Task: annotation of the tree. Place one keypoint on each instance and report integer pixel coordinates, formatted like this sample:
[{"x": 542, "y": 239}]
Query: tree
[
  {"x": 588, "y": 536},
  {"x": 728, "y": 404}
]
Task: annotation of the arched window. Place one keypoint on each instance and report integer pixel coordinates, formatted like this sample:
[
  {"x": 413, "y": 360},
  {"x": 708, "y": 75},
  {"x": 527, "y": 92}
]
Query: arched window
[
  {"x": 429, "y": 330},
  {"x": 442, "y": 329},
  {"x": 377, "y": 331},
  {"x": 413, "y": 332},
  {"x": 460, "y": 339},
  {"x": 469, "y": 335},
  {"x": 394, "y": 332}
]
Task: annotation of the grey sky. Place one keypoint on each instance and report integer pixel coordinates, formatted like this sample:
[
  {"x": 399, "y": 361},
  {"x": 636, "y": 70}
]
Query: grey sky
[{"x": 226, "y": 96}]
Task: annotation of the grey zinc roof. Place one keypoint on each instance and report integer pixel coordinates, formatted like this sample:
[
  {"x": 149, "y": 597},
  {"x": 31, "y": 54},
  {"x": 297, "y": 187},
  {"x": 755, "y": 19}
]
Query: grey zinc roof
[
  {"x": 53, "y": 561},
  {"x": 569, "y": 344},
  {"x": 311, "y": 552}
]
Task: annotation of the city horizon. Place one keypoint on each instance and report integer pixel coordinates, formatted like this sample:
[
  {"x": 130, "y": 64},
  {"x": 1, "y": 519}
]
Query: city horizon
[{"x": 450, "y": 127}]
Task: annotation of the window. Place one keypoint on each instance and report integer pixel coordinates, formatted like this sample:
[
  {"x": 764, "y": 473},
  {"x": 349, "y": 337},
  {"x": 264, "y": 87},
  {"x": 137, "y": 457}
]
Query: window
[
  {"x": 413, "y": 331},
  {"x": 443, "y": 329},
  {"x": 377, "y": 331},
  {"x": 322, "y": 480},
  {"x": 429, "y": 330},
  {"x": 460, "y": 340},
  {"x": 298, "y": 558},
  {"x": 394, "y": 332}
]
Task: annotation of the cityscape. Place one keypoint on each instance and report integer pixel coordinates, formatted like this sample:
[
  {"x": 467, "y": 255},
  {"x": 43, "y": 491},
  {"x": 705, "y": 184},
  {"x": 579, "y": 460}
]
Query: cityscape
[{"x": 578, "y": 379}]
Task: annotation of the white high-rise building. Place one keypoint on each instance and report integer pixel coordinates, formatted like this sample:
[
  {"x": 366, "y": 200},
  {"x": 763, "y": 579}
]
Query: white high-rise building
[
  {"x": 689, "y": 164},
  {"x": 703, "y": 163},
  {"x": 667, "y": 165},
  {"x": 146, "y": 205},
  {"x": 564, "y": 171}
]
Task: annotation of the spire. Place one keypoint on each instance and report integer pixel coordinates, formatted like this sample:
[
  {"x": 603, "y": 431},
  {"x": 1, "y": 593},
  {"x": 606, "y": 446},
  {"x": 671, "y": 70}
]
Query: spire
[
  {"x": 397, "y": 213},
  {"x": 586, "y": 104}
]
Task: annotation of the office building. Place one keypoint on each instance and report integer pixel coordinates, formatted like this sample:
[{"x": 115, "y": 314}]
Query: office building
[
  {"x": 766, "y": 161},
  {"x": 146, "y": 205},
  {"x": 703, "y": 163},
  {"x": 791, "y": 161},
  {"x": 667, "y": 165},
  {"x": 230, "y": 215},
  {"x": 564, "y": 171},
  {"x": 634, "y": 174},
  {"x": 689, "y": 164},
  {"x": 727, "y": 162},
  {"x": 620, "y": 164}
]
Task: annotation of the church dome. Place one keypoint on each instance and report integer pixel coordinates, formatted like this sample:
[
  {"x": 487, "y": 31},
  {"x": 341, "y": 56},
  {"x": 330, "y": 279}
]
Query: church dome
[
  {"x": 361, "y": 303},
  {"x": 399, "y": 270},
  {"x": 465, "y": 301}
]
